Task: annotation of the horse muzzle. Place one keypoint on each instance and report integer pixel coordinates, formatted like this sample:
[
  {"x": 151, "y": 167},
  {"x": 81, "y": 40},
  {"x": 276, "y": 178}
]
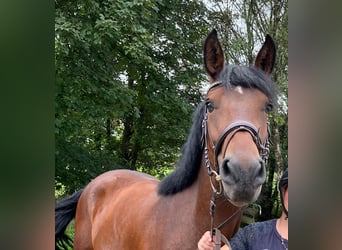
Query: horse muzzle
[{"x": 242, "y": 185}]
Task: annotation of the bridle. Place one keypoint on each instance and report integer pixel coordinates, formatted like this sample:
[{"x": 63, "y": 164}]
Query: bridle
[{"x": 231, "y": 130}]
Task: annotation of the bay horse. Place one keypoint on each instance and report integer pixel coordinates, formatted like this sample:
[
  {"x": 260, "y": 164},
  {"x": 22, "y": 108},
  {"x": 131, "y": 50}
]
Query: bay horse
[{"x": 224, "y": 157}]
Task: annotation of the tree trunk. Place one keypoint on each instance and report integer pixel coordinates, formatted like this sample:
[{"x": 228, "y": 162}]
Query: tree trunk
[
  {"x": 269, "y": 194},
  {"x": 128, "y": 122},
  {"x": 265, "y": 198}
]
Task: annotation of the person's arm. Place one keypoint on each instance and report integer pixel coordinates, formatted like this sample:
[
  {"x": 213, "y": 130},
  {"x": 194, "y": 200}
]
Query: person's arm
[{"x": 205, "y": 243}]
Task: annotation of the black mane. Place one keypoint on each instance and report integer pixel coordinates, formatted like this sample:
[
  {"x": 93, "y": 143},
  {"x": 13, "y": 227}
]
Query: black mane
[{"x": 189, "y": 164}]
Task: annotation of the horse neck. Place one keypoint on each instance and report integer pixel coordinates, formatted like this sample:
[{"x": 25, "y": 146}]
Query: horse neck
[
  {"x": 198, "y": 197},
  {"x": 193, "y": 206},
  {"x": 204, "y": 191}
]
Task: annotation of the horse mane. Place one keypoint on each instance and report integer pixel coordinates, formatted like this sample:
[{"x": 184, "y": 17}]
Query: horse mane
[
  {"x": 189, "y": 164},
  {"x": 187, "y": 168}
]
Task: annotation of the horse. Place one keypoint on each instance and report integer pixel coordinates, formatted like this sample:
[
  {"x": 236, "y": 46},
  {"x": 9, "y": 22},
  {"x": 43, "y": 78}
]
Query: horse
[{"x": 221, "y": 169}]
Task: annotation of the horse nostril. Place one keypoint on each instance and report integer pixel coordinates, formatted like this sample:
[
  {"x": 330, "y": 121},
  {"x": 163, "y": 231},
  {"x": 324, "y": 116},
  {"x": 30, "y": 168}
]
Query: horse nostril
[
  {"x": 261, "y": 171},
  {"x": 233, "y": 172},
  {"x": 225, "y": 167}
]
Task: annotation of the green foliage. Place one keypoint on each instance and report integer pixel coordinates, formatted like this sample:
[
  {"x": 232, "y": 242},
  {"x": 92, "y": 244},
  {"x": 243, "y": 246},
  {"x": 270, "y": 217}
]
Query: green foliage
[
  {"x": 59, "y": 190},
  {"x": 159, "y": 172},
  {"x": 128, "y": 75}
]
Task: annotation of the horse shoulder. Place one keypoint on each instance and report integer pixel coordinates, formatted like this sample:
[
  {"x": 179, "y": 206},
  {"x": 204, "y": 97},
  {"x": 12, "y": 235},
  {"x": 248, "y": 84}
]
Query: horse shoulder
[{"x": 125, "y": 197}]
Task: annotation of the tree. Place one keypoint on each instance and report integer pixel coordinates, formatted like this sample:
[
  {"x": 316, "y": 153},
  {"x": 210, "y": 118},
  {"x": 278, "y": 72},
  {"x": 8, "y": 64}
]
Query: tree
[{"x": 128, "y": 75}]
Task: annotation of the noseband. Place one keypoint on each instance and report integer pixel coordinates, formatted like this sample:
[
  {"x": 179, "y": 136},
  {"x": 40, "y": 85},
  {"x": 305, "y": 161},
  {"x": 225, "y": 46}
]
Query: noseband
[{"x": 232, "y": 129}]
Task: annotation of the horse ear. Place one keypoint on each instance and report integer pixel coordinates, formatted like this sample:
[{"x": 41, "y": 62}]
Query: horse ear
[
  {"x": 213, "y": 56},
  {"x": 266, "y": 57}
]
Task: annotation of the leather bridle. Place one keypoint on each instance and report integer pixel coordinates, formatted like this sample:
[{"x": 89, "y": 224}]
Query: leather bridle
[{"x": 231, "y": 130}]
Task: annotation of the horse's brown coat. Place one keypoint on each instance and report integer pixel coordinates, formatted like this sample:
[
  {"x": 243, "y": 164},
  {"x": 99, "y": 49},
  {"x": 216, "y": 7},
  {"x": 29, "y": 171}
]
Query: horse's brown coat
[{"x": 122, "y": 210}]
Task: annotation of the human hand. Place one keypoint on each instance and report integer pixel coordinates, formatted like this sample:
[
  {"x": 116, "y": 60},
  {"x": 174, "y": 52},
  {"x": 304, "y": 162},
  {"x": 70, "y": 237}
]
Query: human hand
[{"x": 206, "y": 243}]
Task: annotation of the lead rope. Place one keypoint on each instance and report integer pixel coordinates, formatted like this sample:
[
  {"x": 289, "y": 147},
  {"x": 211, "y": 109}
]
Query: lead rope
[
  {"x": 213, "y": 199},
  {"x": 216, "y": 231},
  {"x": 220, "y": 238}
]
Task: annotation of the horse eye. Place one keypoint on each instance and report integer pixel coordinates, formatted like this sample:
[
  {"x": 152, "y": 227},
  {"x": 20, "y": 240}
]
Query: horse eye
[
  {"x": 268, "y": 107},
  {"x": 210, "y": 106}
]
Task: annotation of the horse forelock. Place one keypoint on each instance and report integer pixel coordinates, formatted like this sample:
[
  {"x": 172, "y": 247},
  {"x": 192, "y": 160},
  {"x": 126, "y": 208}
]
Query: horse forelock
[
  {"x": 249, "y": 77},
  {"x": 189, "y": 164}
]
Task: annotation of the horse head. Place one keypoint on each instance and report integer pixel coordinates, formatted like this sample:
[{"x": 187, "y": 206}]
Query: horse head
[{"x": 236, "y": 132}]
